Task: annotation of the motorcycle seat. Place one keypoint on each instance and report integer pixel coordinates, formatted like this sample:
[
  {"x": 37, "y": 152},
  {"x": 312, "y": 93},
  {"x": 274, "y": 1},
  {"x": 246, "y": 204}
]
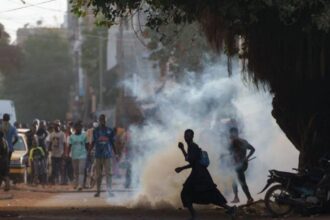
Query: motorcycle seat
[{"x": 286, "y": 174}]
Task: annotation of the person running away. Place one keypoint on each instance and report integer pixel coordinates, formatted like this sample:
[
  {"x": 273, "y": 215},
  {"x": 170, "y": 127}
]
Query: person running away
[{"x": 199, "y": 187}]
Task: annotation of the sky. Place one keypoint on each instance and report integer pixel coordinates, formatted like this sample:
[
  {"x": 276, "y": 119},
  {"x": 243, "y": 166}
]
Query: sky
[{"x": 14, "y": 14}]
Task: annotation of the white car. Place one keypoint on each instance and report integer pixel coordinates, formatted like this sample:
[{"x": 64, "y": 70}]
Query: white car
[{"x": 18, "y": 169}]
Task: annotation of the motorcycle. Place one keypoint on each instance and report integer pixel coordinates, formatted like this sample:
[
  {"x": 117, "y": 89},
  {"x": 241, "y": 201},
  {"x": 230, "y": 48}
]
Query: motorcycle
[{"x": 307, "y": 191}]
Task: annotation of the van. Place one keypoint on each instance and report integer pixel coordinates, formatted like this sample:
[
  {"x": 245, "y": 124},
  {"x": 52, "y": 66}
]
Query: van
[{"x": 7, "y": 106}]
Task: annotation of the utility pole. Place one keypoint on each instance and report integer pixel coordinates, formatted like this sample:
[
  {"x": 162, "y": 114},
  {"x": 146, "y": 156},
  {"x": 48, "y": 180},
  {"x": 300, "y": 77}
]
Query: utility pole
[{"x": 100, "y": 70}]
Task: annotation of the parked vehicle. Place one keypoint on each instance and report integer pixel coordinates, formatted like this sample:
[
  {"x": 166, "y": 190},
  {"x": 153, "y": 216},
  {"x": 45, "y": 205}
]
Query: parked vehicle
[
  {"x": 18, "y": 164},
  {"x": 7, "y": 106},
  {"x": 307, "y": 191}
]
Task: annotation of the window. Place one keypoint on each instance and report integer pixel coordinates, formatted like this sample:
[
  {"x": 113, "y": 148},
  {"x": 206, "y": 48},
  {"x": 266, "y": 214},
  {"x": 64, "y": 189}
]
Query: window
[{"x": 20, "y": 145}]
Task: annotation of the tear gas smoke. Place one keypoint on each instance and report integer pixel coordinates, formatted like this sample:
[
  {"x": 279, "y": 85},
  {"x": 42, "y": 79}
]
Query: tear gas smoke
[{"x": 202, "y": 102}]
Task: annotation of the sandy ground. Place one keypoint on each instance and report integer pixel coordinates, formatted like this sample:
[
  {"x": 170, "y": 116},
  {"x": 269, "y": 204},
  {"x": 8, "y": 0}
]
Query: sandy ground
[{"x": 64, "y": 203}]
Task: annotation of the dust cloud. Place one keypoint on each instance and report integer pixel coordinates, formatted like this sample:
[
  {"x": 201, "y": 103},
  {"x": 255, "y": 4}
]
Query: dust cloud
[{"x": 203, "y": 102}]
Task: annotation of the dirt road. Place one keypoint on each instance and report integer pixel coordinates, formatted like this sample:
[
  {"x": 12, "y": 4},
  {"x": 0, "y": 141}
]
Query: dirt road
[{"x": 47, "y": 204}]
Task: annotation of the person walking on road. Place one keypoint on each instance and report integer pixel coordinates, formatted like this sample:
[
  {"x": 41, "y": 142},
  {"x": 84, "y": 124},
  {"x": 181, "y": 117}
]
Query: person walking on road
[
  {"x": 42, "y": 134},
  {"x": 4, "y": 175},
  {"x": 199, "y": 187},
  {"x": 56, "y": 148},
  {"x": 78, "y": 145},
  {"x": 37, "y": 157},
  {"x": 103, "y": 141},
  {"x": 11, "y": 136},
  {"x": 90, "y": 155},
  {"x": 67, "y": 166}
]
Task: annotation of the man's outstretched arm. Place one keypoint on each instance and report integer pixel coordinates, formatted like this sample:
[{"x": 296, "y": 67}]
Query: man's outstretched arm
[{"x": 179, "y": 169}]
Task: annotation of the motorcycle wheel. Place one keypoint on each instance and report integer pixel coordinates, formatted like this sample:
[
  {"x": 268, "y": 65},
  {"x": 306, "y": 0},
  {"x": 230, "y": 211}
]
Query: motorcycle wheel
[{"x": 273, "y": 206}]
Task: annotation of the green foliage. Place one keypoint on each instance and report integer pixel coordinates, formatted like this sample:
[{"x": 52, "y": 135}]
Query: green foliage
[
  {"x": 264, "y": 28},
  {"x": 182, "y": 46},
  {"x": 92, "y": 35},
  {"x": 9, "y": 54},
  {"x": 234, "y": 14},
  {"x": 40, "y": 89},
  {"x": 90, "y": 51},
  {"x": 4, "y": 36}
]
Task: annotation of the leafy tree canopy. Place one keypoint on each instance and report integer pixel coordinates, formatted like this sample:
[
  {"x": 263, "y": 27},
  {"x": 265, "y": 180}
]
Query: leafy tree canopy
[
  {"x": 285, "y": 44},
  {"x": 260, "y": 25},
  {"x": 44, "y": 79},
  {"x": 237, "y": 14},
  {"x": 9, "y": 54}
]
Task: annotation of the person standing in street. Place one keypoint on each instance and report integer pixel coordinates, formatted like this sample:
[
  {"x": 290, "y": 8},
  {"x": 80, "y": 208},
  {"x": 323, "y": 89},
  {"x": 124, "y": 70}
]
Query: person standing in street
[
  {"x": 37, "y": 157},
  {"x": 240, "y": 157},
  {"x": 42, "y": 134},
  {"x": 103, "y": 140},
  {"x": 56, "y": 148},
  {"x": 90, "y": 154},
  {"x": 11, "y": 136},
  {"x": 30, "y": 135},
  {"x": 78, "y": 145},
  {"x": 4, "y": 175},
  {"x": 67, "y": 167}
]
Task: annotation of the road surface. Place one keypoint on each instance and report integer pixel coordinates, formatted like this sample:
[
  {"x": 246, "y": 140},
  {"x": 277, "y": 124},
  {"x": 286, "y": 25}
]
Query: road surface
[{"x": 49, "y": 204}]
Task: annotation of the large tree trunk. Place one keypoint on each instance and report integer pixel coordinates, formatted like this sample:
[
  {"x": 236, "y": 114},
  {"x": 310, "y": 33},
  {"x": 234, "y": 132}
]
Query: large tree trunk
[{"x": 304, "y": 116}]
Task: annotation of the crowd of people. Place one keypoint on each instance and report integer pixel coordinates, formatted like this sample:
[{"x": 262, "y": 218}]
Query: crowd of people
[
  {"x": 66, "y": 153},
  {"x": 69, "y": 153}
]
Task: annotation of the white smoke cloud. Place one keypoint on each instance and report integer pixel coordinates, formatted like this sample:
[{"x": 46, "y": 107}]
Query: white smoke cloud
[{"x": 202, "y": 102}]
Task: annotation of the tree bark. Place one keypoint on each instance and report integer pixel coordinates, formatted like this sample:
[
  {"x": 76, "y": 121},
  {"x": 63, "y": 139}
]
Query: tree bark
[{"x": 304, "y": 116}]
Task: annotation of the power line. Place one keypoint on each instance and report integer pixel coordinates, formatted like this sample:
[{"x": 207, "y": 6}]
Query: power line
[
  {"x": 26, "y": 6},
  {"x": 37, "y": 6}
]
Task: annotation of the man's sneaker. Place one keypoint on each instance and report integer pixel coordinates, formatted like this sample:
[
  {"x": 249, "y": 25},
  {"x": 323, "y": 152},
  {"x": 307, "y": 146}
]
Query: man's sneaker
[
  {"x": 97, "y": 194},
  {"x": 111, "y": 194}
]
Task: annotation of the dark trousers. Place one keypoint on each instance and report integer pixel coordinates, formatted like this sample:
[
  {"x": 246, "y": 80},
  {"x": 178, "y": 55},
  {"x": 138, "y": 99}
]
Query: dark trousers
[
  {"x": 3, "y": 169},
  {"x": 67, "y": 170},
  {"x": 39, "y": 171},
  {"x": 9, "y": 158},
  {"x": 56, "y": 170},
  {"x": 242, "y": 180},
  {"x": 88, "y": 168},
  {"x": 128, "y": 179}
]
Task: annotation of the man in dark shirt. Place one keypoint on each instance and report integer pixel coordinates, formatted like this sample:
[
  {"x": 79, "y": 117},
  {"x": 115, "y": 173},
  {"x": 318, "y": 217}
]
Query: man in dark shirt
[
  {"x": 199, "y": 187},
  {"x": 30, "y": 135},
  {"x": 238, "y": 150},
  {"x": 42, "y": 135},
  {"x": 4, "y": 174},
  {"x": 103, "y": 141}
]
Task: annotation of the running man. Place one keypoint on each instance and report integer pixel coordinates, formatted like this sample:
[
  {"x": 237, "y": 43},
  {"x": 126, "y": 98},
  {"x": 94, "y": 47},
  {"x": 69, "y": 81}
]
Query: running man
[{"x": 199, "y": 187}]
